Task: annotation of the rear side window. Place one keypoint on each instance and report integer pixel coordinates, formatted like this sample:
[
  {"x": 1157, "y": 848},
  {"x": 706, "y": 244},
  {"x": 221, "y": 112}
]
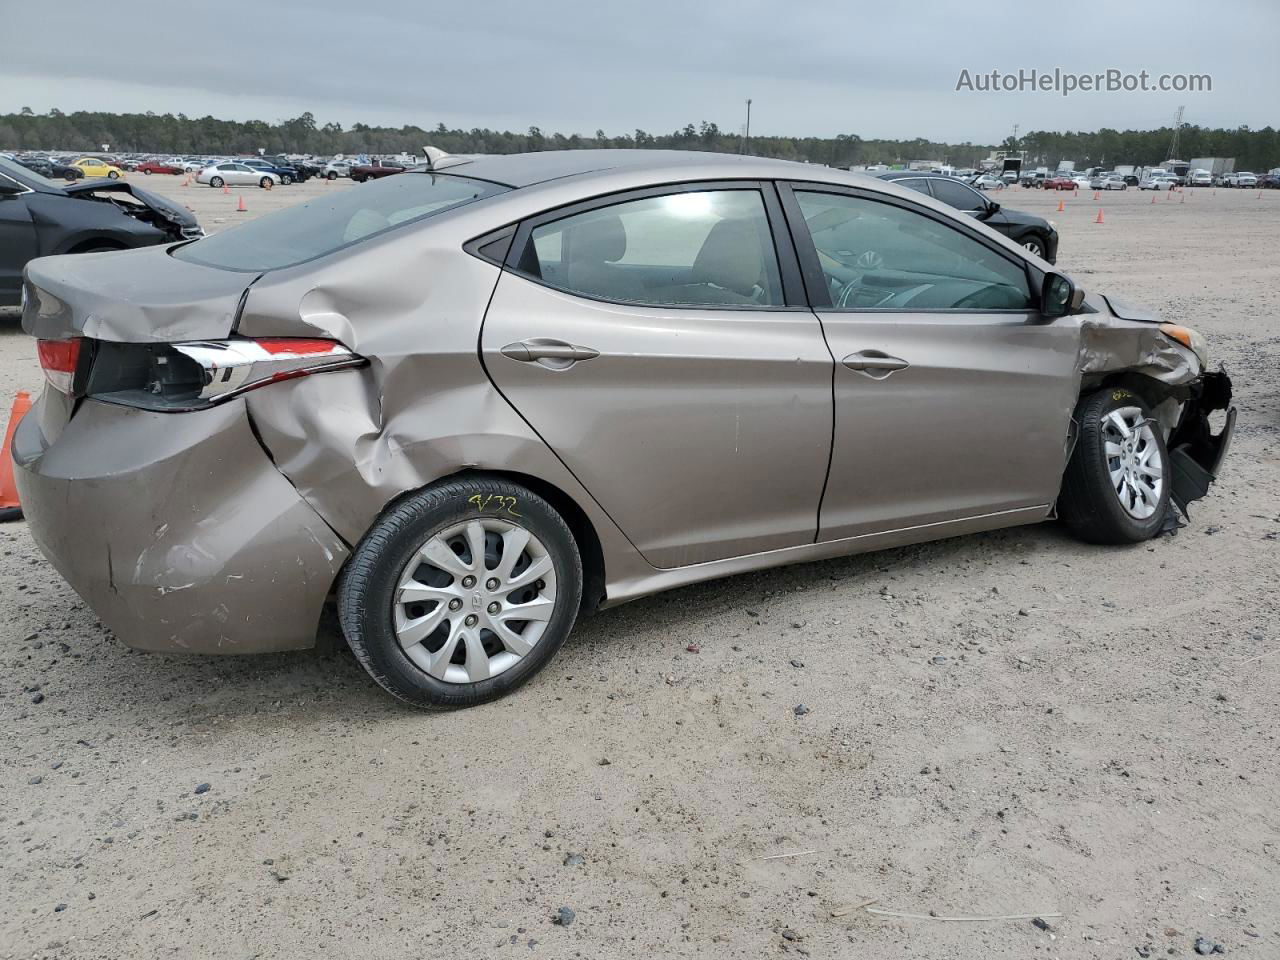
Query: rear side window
[
  {"x": 957, "y": 195},
  {"x": 696, "y": 248},
  {"x": 330, "y": 223}
]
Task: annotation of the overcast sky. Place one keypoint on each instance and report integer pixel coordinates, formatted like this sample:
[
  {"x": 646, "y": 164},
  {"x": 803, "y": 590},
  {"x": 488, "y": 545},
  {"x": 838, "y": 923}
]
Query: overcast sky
[{"x": 822, "y": 67}]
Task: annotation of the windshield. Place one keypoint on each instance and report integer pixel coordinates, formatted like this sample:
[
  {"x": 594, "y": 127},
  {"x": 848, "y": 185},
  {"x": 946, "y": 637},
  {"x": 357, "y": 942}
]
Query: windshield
[{"x": 327, "y": 224}]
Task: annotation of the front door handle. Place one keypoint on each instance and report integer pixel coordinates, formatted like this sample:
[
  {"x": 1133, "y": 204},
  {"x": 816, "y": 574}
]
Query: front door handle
[
  {"x": 556, "y": 354},
  {"x": 874, "y": 363}
]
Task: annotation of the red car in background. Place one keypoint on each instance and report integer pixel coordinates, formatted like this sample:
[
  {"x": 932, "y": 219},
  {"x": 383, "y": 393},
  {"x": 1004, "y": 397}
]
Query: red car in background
[
  {"x": 379, "y": 168},
  {"x": 157, "y": 166},
  {"x": 1059, "y": 181}
]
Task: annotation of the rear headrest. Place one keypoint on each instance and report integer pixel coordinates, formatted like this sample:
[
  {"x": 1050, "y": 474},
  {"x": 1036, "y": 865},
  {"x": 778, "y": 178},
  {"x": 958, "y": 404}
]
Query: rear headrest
[
  {"x": 730, "y": 257},
  {"x": 600, "y": 240}
]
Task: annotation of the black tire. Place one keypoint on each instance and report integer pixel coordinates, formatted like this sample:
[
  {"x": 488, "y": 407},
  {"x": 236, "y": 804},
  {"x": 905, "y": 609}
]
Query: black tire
[
  {"x": 331, "y": 175},
  {"x": 265, "y": 183},
  {"x": 146, "y": 173},
  {"x": 1033, "y": 243},
  {"x": 367, "y": 586},
  {"x": 285, "y": 179},
  {"x": 1089, "y": 504},
  {"x": 69, "y": 176},
  {"x": 113, "y": 175},
  {"x": 216, "y": 182}
]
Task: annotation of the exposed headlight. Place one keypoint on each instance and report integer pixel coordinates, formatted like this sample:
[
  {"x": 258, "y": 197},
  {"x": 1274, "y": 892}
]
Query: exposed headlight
[{"x": 1191, "y": 339}]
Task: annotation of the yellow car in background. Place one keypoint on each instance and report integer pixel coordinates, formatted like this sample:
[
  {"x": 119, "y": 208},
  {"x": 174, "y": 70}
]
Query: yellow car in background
[{"x": 94, "y": 167}]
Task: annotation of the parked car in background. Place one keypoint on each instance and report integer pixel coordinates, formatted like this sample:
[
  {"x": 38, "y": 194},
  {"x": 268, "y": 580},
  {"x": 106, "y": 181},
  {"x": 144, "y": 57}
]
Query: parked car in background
[
  {"x": 303, "y": 170},
  {"x": 157, "y": 166},
  {"x": 39, "y": 217},
  {"x": 1158, "y": 180},
  {"x": 93, "y": 167},
  {"x": 234, "y": 173},
  {"x": 1245, "y": 180},
  {"x": 845, "y": 364},
  {"x": 51, "y": 168},
  {"x": 284, "y": 175},
  {"x": 1081, "y": 181},
  {"x": 1035, "y": 234},
  {"x": 376, "y": 170},
  {"x": 337, "y": 168},
  {"x": 1108, "y": 181},
  {"x": 1269, "y": 181},
  {"x": 1200, "y": 178},
  {"x": 1060, "y": 181},
  {"x": 985, "y": 181}
]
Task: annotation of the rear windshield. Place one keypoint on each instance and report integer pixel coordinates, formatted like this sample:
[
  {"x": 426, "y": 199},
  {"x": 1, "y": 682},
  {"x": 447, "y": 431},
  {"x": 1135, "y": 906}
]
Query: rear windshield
[{"x": 329, "y": 223}]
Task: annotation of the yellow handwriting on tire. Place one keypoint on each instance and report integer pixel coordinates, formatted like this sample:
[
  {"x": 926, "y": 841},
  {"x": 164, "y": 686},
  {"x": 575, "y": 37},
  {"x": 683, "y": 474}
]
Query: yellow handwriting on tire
[
  {"x": 496, "y": 502},
  {"x": 1121, "y": 395}
]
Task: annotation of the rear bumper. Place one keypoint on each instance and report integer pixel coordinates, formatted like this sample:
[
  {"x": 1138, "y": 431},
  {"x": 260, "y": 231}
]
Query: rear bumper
[{"x": 177, "y": 529}]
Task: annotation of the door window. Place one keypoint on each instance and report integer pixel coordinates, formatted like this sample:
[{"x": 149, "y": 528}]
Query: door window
[
  {"x": 697, "y": 248},
  {"x": 880, "y": 256},
  {"x": 958, "y": 195}
]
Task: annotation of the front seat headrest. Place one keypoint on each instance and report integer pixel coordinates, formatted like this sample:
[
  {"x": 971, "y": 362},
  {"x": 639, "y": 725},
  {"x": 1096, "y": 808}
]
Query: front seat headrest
[
  {"x": 601, "y": 239},
  {"x": 730, "y": 257}
]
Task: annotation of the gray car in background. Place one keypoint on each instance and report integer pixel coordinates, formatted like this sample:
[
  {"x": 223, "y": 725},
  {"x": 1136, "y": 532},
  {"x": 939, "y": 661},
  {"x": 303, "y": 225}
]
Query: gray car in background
[{"x": 475, "y": 400}]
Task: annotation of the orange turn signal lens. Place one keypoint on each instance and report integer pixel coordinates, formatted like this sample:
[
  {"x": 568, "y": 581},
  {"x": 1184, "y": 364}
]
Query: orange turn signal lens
[{"x": 1182, "y": 334}]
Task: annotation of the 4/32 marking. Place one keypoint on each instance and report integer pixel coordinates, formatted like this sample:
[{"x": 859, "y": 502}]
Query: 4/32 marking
[{"x": 495, "y": 502}]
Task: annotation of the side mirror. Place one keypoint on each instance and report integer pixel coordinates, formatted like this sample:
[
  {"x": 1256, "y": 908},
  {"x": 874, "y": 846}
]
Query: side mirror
[
  {"x": 1059, "y": 297},
  {"x": 992, "y": 209}
]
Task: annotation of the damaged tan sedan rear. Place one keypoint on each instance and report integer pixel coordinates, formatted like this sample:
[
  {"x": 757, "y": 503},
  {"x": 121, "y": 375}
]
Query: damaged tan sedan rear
[{"x": 480, "y": 398}]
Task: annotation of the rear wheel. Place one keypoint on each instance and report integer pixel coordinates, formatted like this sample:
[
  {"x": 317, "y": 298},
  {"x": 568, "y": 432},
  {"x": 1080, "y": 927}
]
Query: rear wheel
[
  {"x": 216, "y": 182},
  {"x": 1116, "y": 487},
  {"x": 286, "y": 179},
  {"x": 331, "y": 175},
  {"x": 461, "y": 592},
  {"x": 265, "y": 183},
  {"x": 146, "y": 173}
]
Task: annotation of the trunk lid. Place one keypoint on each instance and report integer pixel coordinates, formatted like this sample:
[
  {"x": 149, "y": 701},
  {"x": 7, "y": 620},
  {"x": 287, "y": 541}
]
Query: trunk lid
[{"x": 130, "y": 296}]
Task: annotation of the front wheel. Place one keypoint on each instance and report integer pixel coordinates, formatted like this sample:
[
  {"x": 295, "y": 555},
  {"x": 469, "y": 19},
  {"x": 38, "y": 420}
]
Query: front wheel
[
  {"x": 1116, "y": 486},
  {"x": 285, "y": 179},
  {"x": 1034, "y": 245},
  {"x": 461, "y": 592},
  {"x": 331, "y": 175},
  {"x": 113, "y": 174},
  {"x": 216, "y": 182},
  {"x": 265, "y": 183}
]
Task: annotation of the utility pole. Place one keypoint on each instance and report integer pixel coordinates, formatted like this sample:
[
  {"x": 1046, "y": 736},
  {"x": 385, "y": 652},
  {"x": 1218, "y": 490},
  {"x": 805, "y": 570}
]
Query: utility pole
[{"x": 747, "y": 134}]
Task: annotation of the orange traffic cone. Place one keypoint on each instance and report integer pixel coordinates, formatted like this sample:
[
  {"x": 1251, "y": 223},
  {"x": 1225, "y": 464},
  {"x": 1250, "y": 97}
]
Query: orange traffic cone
[
  {"x": 226, "y": 191},
  {"x": 1184, "y": 199},
  {"x": 10, "y": 509},
  {"x": 1097, "y": 195},
  {"x": 1153, "y": 196},
  {"x": 1061, "y": 206},
  {"x": 1259, "y": 194},
  {"x": 241, "y": 208},
  {"x": 1099, "y": 220}
]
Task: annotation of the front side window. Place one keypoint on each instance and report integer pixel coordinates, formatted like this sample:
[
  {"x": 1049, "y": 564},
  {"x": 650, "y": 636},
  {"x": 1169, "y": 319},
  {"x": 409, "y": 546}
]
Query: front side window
[
  {"x": 956, "y": 194},
  {"x": 327, "y": 224},
  {"x": 880, "y": 256},
  {"x": 702, "y": 248}
]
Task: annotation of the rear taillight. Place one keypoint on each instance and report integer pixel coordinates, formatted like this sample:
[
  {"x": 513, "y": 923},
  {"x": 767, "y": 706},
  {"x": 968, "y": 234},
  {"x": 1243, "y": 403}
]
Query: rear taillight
[
  {"x": 202, "y": 373},
  {"x": 59, "y": 360}
]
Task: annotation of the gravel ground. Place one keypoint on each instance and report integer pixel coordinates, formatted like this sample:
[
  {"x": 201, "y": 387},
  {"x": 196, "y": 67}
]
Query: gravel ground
[{"x": 1011, "y": 723}]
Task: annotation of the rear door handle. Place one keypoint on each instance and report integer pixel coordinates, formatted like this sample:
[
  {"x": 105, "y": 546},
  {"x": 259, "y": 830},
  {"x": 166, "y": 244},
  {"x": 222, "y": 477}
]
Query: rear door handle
[
  {"x": 556, "y": 354},
  {"x": 873, "y": 362}
]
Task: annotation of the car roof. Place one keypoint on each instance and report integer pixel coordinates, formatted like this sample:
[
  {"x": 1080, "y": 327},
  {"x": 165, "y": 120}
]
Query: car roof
[{"x": 527, "y": 169}]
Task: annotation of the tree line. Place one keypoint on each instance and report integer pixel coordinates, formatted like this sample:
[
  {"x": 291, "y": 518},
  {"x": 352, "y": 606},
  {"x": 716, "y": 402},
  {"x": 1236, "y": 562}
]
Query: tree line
[{"x": 179, "y": 134}]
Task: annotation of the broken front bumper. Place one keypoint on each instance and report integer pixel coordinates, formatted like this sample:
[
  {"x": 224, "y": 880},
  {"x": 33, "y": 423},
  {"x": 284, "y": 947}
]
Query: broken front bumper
[
  {"x": 1195, "y": 451},
  {"x": 177, "y": 529}
]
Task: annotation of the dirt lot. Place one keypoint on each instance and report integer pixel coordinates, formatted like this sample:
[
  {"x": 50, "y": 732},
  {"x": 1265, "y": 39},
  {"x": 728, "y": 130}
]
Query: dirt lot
[{"x": 1002, "y": 724}]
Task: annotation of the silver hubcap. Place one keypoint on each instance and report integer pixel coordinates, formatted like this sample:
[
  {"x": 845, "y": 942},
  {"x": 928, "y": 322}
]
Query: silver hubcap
[
  {"x": 1133, "y": 461},
  {"x": 474, "y": 600}
]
